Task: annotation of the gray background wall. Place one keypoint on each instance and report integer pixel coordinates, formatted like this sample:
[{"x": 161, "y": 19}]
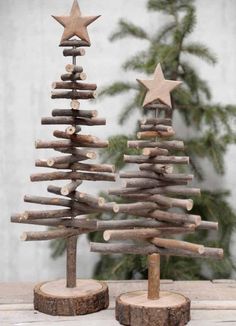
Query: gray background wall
[{"x": 30, "y": 60}]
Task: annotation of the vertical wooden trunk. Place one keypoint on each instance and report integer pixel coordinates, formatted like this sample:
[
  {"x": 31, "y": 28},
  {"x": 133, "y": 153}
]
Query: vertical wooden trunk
[
  {"x": 153, "y": 276},
  {"x": 71, "y": 251}
]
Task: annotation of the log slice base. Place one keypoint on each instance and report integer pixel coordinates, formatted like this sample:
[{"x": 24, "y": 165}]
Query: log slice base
[
  {"x": 54, "y": 298},
  {"x": 135, "y": 309}
]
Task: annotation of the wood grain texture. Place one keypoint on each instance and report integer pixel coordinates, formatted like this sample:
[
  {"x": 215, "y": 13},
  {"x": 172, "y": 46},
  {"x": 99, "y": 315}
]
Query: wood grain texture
[
  {"x": 53, "y": 298},
  {"x": 134, "y": 309}
]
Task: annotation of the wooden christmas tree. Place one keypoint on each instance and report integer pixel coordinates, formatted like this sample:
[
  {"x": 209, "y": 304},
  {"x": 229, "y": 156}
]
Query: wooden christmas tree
[
  {"x": 151, "y": 192},
  {"x": 70, "y": 296}
]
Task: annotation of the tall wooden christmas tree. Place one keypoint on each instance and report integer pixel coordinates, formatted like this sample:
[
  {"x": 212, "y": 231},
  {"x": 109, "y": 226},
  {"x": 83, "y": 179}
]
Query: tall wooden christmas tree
[
  {"x": 70, "y": 296},
  {"x": 152, "y": 192}
]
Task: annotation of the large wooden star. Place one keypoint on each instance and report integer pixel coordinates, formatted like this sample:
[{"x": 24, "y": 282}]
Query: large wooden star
[
  {"x": 158, "y": 88},
  {"x": 75, "y": 24}
]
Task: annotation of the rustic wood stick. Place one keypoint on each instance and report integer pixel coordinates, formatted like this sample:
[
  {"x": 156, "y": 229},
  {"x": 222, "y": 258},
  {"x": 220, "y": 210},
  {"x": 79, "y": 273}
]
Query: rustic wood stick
[
  {"x": 74, "y": 77},
  {"x": 74, "y": 113},
  {"x": 71, "y": 250},
  {"x": 153, "y": 134},
  {"x": 119, "y": 248},
  {"x": 74, "y": 104},
  {"x": 153, "y": 276},
  {"x": 70, "y": 187},
  {"x": 207, "y": 225},
  {"x": 152, "y": 175},
  {"x": 54, "y": 144},
  {"x": 172, "y": 202},
  {"x": 79, "y": 166},
  {"x": 82, "y": 223},
  {"x": 72, "y": 120},
  {"x": 130, "y": 224},
  {"x": 71, "y": 130},
  {"x": 168, "y": 144},
  {"x": 34, "y": 215},
  {"x": 47, "y": 201},
  {"x": 73, "y": 68},
  {"x": 176, "y": 177},
  {"x": 64, "y": 159},
  {"x": 74, "y": 95},
  {"x": 175, "y": 217},
  {"x": 130, "y": 207},
  {"x": 178, "y": 244},
  {"x": 161, "y": 128},
  {"x": 138, "y": 234},
  {"x": 82, "y": 140},
  {"x": 152, "y": 152},
  {"x": 74, "y": 42},
  {"x": 78, "y": 152},
  {"x": 71, "y": 175},
  {"x": 74, "y": 52},
  {"x": 148, "y": 183},
  {"x": 74, "y": 85},
  {"x": 48, "y": 235},
  {"x": 155, "y": 121},
  {"x": 158, "y": 159},
  {"x": 158, "y": 168}
]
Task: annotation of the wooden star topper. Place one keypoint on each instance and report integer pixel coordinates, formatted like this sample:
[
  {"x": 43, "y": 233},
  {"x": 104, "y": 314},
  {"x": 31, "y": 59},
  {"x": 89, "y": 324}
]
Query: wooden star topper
[
  {"x": 75, "y": 24},
  {"x": 158, "y": 88}
]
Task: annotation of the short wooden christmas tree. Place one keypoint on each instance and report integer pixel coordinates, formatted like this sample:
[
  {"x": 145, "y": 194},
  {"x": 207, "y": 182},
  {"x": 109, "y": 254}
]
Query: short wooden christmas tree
[
  {"x": 70, "y": 296},
  {"x": 151, "y": 193}
]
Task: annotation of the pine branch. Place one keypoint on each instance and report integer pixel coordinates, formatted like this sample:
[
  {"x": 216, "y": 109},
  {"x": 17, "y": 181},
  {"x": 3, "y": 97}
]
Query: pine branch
[
  {"x": 201, "y": 51},
  {"x": 128, "y": 29}
]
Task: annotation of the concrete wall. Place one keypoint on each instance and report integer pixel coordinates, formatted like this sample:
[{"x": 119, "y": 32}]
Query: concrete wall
[{"x": 30, "y": 60}]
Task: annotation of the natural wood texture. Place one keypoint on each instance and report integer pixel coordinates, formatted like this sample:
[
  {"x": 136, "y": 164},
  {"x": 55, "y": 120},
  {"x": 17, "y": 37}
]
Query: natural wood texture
[
  {"x": 146, "y": 183},
  {"x": 73, "y": 68},
  {"x": 172, "y": 202},
  {"x": 151, "y": 152},
  {"x": 124, "y": 248},
  {"x": 78, "y": 166},
  {"x": 154, "y": 134},
  {"x": 74, "y": 52},
  {"x": 54, "y": 298},
  {"x": 70, "y": 187},
  {"x": 168, "y": 144},
  {"x": 74, "y": 85},
  {"x": 134, "y": 309},
  {"x": 75, "y": 24},
  {"x": 74, "y": 95},
  {"x": 49, "y": 235},
  {"x": 173, "y": 190},
  {"x": 121, "y": 224},
  {"x": 155, "y": 121},
  {"x": 71, "y": 130},
  {"x": 158, "y": 89},
  {"x": 34, "y": 215},
  {"x": 71, "y": 175},
  {"x": 74, "y": 77},
  {"x": 178, "y": 244},
  {"x": 71, "y": 251},
  {"x": 75, "y": 113},
  {"x": 158, "y": 168},
  {"x": 144, "y": 233},
  {"x": 156, "y": 128},
  {"x": 153, "y": 276},
  {"x": 47, "y": 200},
  {"x": 158, "y": 159},
  {"x": 71, "y": 120},
  {"x": 82, "y": 140}
]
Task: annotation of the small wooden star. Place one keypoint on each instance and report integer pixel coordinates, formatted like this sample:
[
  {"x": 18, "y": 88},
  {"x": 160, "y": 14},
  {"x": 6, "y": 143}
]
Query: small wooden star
[
  {"x": 75, "y": 24},
  {"x": 158, "y": 88}
]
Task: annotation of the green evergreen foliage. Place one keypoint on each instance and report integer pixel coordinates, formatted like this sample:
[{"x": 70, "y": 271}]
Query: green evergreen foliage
[{"x": 211, "y": 129}]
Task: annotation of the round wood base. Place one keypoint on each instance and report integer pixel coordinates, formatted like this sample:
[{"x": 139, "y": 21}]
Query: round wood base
[
  {"x": 134, "y": 309},
  {"x": 54, "y": 298}
]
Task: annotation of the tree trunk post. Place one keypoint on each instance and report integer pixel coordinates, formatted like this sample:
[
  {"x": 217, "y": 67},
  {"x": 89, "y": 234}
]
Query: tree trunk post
[
  {"x": 71, "y": 262},
  {"x": 153, "y": 276}
]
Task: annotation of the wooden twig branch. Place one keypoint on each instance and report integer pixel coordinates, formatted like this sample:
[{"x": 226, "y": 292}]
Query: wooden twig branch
[
  {"x": 158, "y": 168},
  {"x": 70, "y": 187},
  {"x": 72, "y": 120},
  {"x": 148, "y": 183},
  {"x": 74, "y": 95},
  {"x": 76, "y": 43},
  {"x": 73, "y": 68},
  {"x": 152, "y": 152},
  {"x": 117, "y": 248},
  {"x": 71, "y": 175},
  {"x": 155, "y": 121},
  {"x": 74, "y": 52},
  {"x": 159, "y": 159},
  {"x": 75, "y": 113},
  {"x": 153, "y": 134},
  {"x": 49, "y": 235},
  {"x": 47, "y": 201},
  {"x": 168, "y": 144},
  {"x": 74, "y": 85},
  {"x": 178, "y": 244},
  {"x": 34, "y": 215},
  {"x": 74, "y": 77}
]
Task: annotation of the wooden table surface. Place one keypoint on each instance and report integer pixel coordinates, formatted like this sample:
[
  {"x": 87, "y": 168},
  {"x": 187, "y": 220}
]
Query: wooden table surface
[{"x": 213, "y": 303}]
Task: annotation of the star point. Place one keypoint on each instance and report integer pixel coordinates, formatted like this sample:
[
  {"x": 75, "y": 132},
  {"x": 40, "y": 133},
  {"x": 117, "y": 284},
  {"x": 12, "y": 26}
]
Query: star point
[
  {"x": 158, "y": 88},
  {"x": 75, "y": 24}
]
